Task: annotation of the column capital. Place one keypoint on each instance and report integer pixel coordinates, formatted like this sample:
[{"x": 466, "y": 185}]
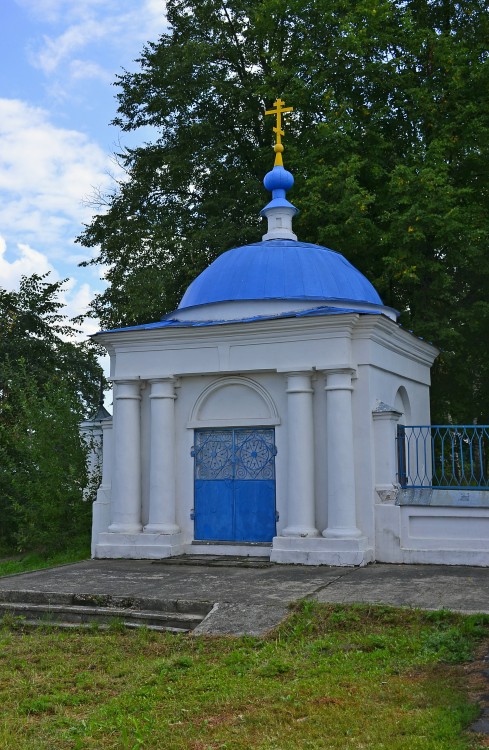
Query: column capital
[
  {"x": 127, "y": 388},
  {"x": 340, "y": 370},
  {"x": 339, "y": 378},
  {"x": 299, "y": 381},
  {"x": 383, "y": 411},
  {"x": 387, "y": 416},
  {"x": 162, "y": 387},
  {"x": 295, "y": 370}
]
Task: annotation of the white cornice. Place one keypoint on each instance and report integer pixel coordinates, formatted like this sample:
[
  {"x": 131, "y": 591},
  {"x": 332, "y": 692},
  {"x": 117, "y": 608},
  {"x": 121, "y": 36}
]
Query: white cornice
[
  {"x": 280, "y": 328},
  {"x": 373, "y": 329},
  {"x": 390, "y": 336}
]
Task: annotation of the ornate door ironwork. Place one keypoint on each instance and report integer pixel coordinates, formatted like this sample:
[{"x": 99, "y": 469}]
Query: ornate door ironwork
[{"x": 235, "y": 484}]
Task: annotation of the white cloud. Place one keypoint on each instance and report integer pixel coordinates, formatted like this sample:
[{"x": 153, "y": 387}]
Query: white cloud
[
  {"x": 54, "y": 11},
  {"x": 46, "y": 175},
  {"x": 80, "y": 69},
  {"x": 25, "y": 261},
  {"x": 76, "y": 300},
  {"x": 55, "y": 50},
  {"x": 118, "y": 24}
]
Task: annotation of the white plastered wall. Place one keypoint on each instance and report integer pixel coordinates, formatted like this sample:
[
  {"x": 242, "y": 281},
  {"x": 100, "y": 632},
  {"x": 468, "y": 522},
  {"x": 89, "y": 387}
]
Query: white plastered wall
[
  {"x": 416, "y": 534},
  {"x": 383, "y": 360}
]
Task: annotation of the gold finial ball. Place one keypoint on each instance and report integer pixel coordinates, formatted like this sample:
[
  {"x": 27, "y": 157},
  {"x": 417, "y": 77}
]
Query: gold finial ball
[{"x": 278, "y": 148}]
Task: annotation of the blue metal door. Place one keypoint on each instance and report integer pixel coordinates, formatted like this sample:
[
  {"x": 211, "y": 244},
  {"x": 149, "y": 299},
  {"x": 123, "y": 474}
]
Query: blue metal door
[{"x": 235, "y": 485}]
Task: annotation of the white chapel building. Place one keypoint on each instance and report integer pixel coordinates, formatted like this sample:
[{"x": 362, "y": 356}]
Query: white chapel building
[{"x": 259, "y": 418}]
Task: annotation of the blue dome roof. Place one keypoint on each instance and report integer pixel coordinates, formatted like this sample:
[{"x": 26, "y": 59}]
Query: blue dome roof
[{"x": 280, "y": 269}]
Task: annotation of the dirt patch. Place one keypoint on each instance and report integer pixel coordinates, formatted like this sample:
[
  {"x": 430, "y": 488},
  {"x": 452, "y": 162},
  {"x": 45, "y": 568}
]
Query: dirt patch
[
  {"x": 326, "y": 700},
  {"x": 477, "y": 673}
]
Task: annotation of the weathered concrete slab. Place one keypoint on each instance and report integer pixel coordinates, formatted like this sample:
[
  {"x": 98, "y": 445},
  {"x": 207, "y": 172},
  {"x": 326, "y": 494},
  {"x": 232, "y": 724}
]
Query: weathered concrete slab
[
  {"x": 240, "y": 618},
  {"x": 254, "y": 585},
  {"x": 254, "y": 599},
  {"x": 458, "y": 588}
]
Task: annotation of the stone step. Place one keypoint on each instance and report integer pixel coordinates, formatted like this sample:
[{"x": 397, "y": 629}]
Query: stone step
[
  {"x": 217, "y": 561},
  {"x": 35, "y": 596},
  {"x": 73, "y": 610},
  {"x": 61, "y": 624}
]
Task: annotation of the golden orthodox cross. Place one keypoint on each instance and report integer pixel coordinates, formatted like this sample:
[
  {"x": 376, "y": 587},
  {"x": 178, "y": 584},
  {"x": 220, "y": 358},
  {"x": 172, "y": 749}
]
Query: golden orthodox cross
[{"x": 278, "y": 111}]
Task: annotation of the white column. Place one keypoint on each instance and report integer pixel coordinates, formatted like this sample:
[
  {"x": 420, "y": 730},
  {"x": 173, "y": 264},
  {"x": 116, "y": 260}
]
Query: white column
[
  {"x": 300, "y": 458},
  {"x": 126, "y": 480},
  {"x": 341, "y": 468},
  {"x": 162, "y": 507}
]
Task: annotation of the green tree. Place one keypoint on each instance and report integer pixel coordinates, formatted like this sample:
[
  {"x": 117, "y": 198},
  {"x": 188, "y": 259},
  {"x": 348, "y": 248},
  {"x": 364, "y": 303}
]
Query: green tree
[
  {"x": 388, "y": 143},
  {"x": 48, "y": 381},
  {"x": 33, "y": 329},
  {"x": 42, "y": 465}
]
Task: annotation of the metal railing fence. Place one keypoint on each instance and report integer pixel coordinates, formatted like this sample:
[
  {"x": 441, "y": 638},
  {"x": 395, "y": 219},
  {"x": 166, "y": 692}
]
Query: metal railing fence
[{"x": 443, "y": 456}]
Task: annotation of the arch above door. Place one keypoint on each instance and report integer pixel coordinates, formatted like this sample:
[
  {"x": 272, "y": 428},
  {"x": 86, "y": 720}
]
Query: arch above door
[{"x": 234, "y": 402}]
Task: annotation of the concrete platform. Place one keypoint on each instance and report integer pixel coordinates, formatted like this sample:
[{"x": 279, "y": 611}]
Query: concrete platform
[{"x": 252, "y": 596}]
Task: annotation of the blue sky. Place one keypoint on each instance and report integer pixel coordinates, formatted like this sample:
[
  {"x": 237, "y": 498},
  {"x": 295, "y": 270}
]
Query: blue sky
[{"x": 58, "y": 61}]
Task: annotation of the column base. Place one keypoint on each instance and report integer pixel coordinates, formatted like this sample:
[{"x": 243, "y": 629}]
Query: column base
[
  {"x": 321, "y": 551},
  {"x": 138, "y": 546},
  {"x": 342, "y": 533},
  {"x": 300, "y": 531},
  {"x": 161, "y": 528},
  {"x": 124, "y": 528}
]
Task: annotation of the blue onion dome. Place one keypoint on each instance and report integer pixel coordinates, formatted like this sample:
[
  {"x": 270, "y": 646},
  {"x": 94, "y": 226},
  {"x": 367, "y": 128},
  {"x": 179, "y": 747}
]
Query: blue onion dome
[{"x": 278, "y": 179}]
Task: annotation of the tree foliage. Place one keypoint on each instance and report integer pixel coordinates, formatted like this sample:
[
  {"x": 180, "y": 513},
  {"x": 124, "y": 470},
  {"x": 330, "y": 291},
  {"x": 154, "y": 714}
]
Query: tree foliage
[
  {"x": 47, "y": 384},
  {"x": 388, "y": 143},
  {"x": 43, "y": 465},
  {"x": 34, "y": 330}
]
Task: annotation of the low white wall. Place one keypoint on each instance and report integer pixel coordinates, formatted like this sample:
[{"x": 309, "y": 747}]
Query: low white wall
[{"x": 432, "y": 535}]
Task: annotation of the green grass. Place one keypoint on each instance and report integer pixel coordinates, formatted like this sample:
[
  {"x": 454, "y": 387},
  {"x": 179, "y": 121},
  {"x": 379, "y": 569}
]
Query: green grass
[
  {"x": 331, "y": 677},
  {"x": 11, "y": 564}
]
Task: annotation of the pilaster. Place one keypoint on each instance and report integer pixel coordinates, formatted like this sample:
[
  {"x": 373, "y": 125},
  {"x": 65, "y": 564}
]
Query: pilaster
[{"x": 385, "y": 419}]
